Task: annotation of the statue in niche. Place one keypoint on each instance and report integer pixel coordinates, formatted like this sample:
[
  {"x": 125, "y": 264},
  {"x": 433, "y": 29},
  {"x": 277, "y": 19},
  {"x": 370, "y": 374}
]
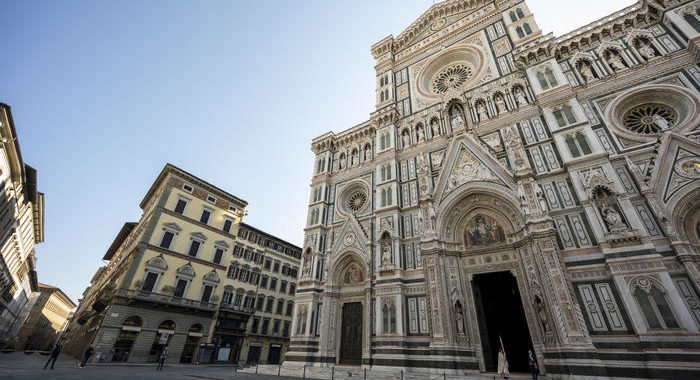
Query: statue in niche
[
  {"x": 419, "y": 133},
  {"x": 341, "y": 162},
  {"x": 481, "y": 111},
  {"x": 420, "y": 221},
  {"x": 520, "y": 96},
  {"x": 615, "y": 61},
  {"x": 612, "y": 218},
  {"x": 355, "y": 158},
  {"x": 433, "y": 218},
  {"x": 459, "y": 317},
  {"x": 660, "y": 121},
  {"x": 434, "y": 127},
  {"x": 541, "y": 313},
  {"x": 540, "y": 198},
  {"x": 523, "y": 200},
  {"x": 500, "y": 103},
  {"x": 607, "y": 204},
  {"x": 645, "y": 49},
  {"x": 586, "y": 71},
  {"x": 306, "y": 271},
  {"x": 368, "y": 153},
  {"x": 457, "y": 118},
  {"x": 405, "y": 139}
]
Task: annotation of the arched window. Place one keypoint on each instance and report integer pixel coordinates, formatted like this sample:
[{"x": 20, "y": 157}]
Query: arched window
[
  {"x": 388, "y": 196},
  {"x": 655, "y": 308},
  {"x": 134, "y": 321},
  {"x": 381, "y": 82},
  {"x": 381, "y": 97},
  {"x": 550, "y": 77},
  {"x": 527, "y": 28},
  {"x": 167, "y": 325},
  {"x": 386, "y": 79},
  {"x": 196, "y": 328},
  {"x": 389, "y": 318},
  {"x": 383, "y": 200},
  {"x": 520, "y": 13},
  {"x": 519, "y": 30},
  {"x": 564, "y": 116},
  {"x": 543, "y": 81},
  {"x": 693, "y": 21},
  {"x": 382, "y": 141},
  {"x": 386, "y": 94},
  {"x": 512, "y": 17}
]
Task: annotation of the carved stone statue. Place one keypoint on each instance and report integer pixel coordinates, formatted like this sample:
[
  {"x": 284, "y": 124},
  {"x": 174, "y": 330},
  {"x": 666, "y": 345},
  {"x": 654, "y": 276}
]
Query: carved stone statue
[
  {"x": 354, "y": 159},
  {"x": 520, "y": 96},
  {"x": 420, "y": 134},
  {"x": 500, "y": 104},
  {"x": 645, "y": 50},
  {"x": 434, "y": 128},
  {"x": 459, "y": 318},
  {"x": 406, "y": 139},
  {"x": 341, "y": 162},
  {"x": 386, "y": 253},
  {"x": 420, "y": 222},
  {"x": 368, "y": 153},
  {"x": 540, "y": 198},
  {"x": 542, "y": 314},
  {"x": 586, "y": 71},
  {"x": 433, "y": 218},
  {"x": 612, "y": 218},
  {"x": 306, "y": 271},
  {"x": 457, "y": 118},
  {"x": 481, "y": 111},
  {"x": 660, "y": 121},
  {"x": 615, "y": 61}
]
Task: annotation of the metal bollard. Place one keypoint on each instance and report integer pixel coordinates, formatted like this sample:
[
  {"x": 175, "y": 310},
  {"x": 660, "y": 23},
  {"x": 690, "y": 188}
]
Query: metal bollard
[
  {"x": 304, "y": 377},
  {"x": 256, "y": 366},
  {"x": 365, "y": 373},
  {"x": 279, "y": 368},
  {"x": 333, "y": 373},
  {"x": 401, "y": 374},
  {"x": 444, "y": 377}
]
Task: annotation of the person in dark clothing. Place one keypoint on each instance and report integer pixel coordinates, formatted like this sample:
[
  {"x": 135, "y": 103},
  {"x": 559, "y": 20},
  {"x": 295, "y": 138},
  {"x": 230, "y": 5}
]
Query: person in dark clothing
[
  {"x": 161, "y": 360},
  {"x": 532, "y": 362},
  {"x": 54, "y": 355},
  {"x": 87, "y": 356}
]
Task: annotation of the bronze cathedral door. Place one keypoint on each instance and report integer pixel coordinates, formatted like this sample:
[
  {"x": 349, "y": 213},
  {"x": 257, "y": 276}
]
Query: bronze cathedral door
[{"x": 351, "y": 338}]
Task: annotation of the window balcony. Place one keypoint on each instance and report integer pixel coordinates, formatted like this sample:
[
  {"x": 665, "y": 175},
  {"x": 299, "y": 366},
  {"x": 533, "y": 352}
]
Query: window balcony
[
  {"x": 166, "y": 299},
  {"x": 237, "y": 308}
]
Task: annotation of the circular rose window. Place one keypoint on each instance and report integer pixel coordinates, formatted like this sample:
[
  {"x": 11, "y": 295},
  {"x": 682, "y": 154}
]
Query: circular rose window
[
  {"x": 356, "y": 201},
  {"x": 649, "y": 118},
  {"x": 451, "y": 78}
]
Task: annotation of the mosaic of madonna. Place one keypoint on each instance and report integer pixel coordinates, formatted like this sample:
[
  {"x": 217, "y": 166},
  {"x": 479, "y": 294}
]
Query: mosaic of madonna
[{"x": 483, "y": 230}]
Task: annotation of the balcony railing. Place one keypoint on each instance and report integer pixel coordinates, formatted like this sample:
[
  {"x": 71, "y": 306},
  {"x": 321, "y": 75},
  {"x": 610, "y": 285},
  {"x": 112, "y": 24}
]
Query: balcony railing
[
  {"x": 238, "y": 308},
  {"x": 167, "y": 299}
]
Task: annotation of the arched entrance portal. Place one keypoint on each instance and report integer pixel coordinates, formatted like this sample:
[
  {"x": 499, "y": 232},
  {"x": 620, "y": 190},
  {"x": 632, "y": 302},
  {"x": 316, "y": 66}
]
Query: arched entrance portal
[
  {"x": 501, "y": 320},
  {"x": 351, "y": 278},
  {"x": 351, "y": 329}
]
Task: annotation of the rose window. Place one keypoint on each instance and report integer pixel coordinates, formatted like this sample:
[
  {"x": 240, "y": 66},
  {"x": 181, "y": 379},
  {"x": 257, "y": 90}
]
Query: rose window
[
  {"x": 649, "y": 119},
  {"x": 356, "y": 201},
  {"x": 451, "y": 78}
]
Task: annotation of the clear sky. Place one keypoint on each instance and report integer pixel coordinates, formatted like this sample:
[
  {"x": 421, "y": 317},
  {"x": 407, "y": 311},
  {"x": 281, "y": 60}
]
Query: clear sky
[{"x": 105, "y": 93}]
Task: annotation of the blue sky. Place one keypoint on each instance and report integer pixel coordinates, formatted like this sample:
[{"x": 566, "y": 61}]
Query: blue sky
[{"x": 104, "y": 93}]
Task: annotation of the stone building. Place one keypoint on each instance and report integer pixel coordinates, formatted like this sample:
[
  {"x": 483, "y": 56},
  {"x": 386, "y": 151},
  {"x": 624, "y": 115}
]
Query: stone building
[
  {"x": 21, "y": 227},
  {"x": 513, "y": 189},
  {"x": 182, "y": 277},
  {"x": 49, "y": 313}
]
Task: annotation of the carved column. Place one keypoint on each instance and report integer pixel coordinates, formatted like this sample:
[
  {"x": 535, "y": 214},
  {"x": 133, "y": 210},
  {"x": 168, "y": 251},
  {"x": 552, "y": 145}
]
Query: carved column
[{"x": 434, "y": 275}]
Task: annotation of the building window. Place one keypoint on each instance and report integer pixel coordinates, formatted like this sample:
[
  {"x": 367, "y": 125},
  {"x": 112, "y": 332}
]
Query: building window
[
  {"x": 237, "y": 300},
  {"x": 692, "y": 20},
  {"x": 211, "y": 199},
  {"x": 180, "y": 288},
  {"x": 389, "y": 318},
  {"x": 520, "y": 32},
  {"x": 273, "y": 284},
  {"x": 285, "y": 329},
  {"x": 207, "y": 290},
  {"x": 256, "y": 324},
  {"x": 243, "y": 276},
  {"x": 268, "y": 264},
  {"x": 655, "y": 308},
  {"x": 276, "y": 326},
  {"x": 520, "y": 13},
  {"x": 227, "y": 297},
  {"x": 233, "y": 272},
  {"x": 578, "y": 144},
  {"x": 206, "y": 213},
  {"x": 260, "y": 303},
  {"x": 512, "y": 17},
  {"x": 269, "y": 304},
  {"x": 280, "y": 306},
  {"x": 276, "y": 267},
  {"x": 195, "y": 245},
  {"x": 283, "y": 287},
  {"x": 248, "y": 302},
  {"x": 292, "y": 289},
  {"x": 290, "y": 308},
  {"x": 227, "y": 225},
  {"x": 218, "y": 255},
  {"x": 263, "y": 282},
  {"x": 565, "y": 116},
  {"x": 167, "y": 239},
  {"x": 149, "y": 281},
  {"x": 180, "y": 206},
  {"x": 265, "y": 325},
  {"x": 187, "y": 188},
  {"x": 527, "y": 28}
]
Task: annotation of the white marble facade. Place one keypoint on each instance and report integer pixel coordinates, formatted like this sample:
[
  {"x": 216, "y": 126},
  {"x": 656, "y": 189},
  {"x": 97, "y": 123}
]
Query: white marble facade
[{"x": 570, "y": 162}]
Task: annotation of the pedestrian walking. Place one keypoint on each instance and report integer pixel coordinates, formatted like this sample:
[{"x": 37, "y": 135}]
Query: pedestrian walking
[
  {"x": 54, "y": 355},
  {"x": 532, "y": 362},
  {"x": 163, "y": 356},
  {"x": 88, "y": 355},
  {"x": 502, "y": 364}
]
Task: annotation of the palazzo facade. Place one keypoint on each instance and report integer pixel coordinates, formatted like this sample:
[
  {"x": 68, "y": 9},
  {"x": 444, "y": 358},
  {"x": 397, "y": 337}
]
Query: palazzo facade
[{"x": 513, "y": 189}]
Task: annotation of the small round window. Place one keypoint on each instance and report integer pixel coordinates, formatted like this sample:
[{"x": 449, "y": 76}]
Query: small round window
[
  {"x": 356, "y": 200},
  {"x": 649, "y": 118}
]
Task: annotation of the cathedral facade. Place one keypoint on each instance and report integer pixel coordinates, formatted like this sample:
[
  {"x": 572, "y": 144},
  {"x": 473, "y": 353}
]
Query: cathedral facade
[{"x": 514, "y": 190}]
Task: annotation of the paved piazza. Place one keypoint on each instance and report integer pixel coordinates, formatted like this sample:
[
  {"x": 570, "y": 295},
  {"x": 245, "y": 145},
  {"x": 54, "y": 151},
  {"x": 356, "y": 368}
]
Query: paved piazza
[{"x": 26, "y": 367}]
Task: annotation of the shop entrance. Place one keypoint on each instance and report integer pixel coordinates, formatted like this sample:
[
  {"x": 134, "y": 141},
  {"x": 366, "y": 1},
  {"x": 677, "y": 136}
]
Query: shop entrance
[{"x": 501, "y": 319}]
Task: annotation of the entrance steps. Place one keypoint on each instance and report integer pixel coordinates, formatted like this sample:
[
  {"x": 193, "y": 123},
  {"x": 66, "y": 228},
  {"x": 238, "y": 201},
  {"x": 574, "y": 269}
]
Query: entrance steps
[{"x": 359, "y": 373}]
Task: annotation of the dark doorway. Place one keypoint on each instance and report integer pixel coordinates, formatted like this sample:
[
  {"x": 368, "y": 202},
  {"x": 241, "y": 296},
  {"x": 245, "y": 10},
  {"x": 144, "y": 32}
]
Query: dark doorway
[
  {"x": 188, "y": 351},
  {"x": 273, "y": 356},
  {"x": 351, "y": 339},
  {"x": 253, "y": 355},
  {"x": 501, "y": 316}
]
